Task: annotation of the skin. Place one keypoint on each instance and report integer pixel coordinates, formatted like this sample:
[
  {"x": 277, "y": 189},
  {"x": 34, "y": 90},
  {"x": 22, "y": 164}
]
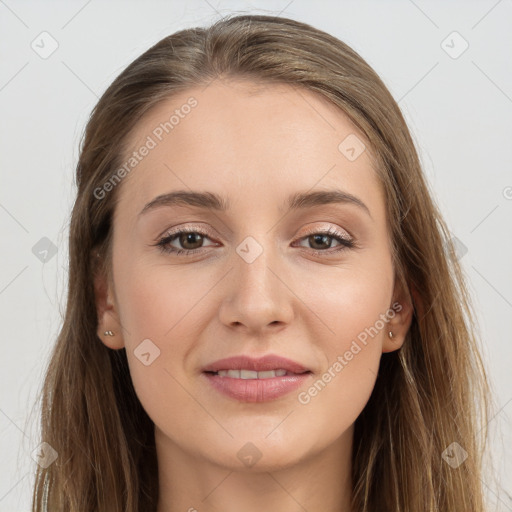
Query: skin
[{"x": 255, "y": 145}]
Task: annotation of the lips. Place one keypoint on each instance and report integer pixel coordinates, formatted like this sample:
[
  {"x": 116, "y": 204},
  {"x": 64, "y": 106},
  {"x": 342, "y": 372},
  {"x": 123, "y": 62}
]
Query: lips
[
  {"x": 261, "y": 364},
  {"x": 252, "y": 374},
  {"x": 246, "y": 379}
]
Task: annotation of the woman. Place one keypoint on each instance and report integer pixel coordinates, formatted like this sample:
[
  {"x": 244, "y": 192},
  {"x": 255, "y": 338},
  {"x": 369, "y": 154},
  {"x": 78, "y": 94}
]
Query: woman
[{"x": 312, "y": 349}]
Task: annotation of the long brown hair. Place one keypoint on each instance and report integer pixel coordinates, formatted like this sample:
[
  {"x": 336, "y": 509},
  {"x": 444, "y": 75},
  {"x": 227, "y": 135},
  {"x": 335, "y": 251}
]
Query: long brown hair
[{"x": 430, "y": 393}]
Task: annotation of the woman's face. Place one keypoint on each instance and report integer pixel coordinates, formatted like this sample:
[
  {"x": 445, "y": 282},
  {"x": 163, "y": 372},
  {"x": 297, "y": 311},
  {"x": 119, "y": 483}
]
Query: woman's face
[{"x": 258, "y": 274}]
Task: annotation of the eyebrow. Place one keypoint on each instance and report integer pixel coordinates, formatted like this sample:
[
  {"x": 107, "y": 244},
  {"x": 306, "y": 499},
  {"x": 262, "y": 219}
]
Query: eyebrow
[{"x": 212, "y": 201}]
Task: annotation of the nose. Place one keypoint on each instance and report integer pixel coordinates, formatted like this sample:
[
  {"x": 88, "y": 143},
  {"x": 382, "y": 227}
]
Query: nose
[{"x": 257, "y": 298}]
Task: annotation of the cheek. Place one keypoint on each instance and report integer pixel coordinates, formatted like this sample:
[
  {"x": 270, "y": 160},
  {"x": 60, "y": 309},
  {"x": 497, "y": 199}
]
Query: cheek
[
  {"x": 155, "y": 301},
  {"x": 355, "y": 312},
  {"x": 351, "y": 304},
  {"x": 165, "y": 307}
]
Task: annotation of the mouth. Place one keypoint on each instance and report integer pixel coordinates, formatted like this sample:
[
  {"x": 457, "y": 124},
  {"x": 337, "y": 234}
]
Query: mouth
[
  {"x": 246, "y": 379},
  {"x": 260, "y": 365},
  {"x": 252, "y": 374}
]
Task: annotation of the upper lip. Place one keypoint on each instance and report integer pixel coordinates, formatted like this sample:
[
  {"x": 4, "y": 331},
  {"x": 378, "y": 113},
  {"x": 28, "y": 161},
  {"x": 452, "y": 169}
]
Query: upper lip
[{"x": 260, "y": 364}]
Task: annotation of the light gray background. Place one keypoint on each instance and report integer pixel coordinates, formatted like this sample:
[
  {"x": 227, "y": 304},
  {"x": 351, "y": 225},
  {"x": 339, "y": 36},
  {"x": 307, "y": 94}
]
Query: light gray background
[{"x": 458, "y": 109}]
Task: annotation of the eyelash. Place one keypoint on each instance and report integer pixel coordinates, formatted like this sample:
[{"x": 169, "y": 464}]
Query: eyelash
[{"x": 163, "y": 243}]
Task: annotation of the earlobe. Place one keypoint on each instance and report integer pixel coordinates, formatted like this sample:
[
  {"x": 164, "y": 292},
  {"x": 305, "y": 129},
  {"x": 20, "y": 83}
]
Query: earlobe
[
  {"x": 107, "y": 338},
  {"x": 109, "y": 327},
  {"x": 392, "y": 340},
  {"x": 400, "y": 319}
]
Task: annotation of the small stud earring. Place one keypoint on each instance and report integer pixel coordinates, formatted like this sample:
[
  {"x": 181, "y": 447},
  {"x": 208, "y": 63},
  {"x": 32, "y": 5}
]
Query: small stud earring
[
  {"x": 390, "y": 334},
  {"x": 109, "y": 333}
]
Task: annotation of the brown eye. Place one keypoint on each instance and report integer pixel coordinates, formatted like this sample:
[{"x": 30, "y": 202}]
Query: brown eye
[
  {"x": 190, "y": 241},
  {"x": 321, "y": 241}
]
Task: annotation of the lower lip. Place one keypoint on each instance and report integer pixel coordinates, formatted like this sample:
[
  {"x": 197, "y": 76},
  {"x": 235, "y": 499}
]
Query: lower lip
[{"x": 257, "y": 390}]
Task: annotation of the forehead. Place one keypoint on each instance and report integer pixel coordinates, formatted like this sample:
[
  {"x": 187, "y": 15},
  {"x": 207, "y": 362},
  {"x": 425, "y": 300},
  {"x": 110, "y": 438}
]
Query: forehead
[{"x": 256, "y": 141}]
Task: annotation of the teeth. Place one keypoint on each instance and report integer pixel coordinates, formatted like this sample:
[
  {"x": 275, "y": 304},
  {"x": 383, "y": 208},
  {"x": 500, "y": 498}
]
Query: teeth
[
  {"x": 266, "y": 375},
  {"x": 248, "y": 374},
  {"x": 251, "y": 374}
]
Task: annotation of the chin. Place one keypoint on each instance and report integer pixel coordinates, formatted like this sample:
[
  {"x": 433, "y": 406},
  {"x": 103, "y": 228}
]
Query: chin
[{"x": 256, "y": 454}]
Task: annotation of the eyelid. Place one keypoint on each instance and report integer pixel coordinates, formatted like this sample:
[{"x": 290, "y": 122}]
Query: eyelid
[
  {"x": 309, "y": 231},
  {"x": 171, "y": 233},
  {"x": 342, "y": 233},
  {"x": 329, "y": 230},
  {"x": 189, "y": 228},
  {"x": 344, "y": 241}
]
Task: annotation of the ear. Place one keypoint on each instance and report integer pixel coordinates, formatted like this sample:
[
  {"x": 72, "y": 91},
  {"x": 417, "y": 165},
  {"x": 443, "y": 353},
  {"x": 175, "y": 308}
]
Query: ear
[
  {"x": 108, "y": 317},
  {"x": 399, "y": 321}
]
